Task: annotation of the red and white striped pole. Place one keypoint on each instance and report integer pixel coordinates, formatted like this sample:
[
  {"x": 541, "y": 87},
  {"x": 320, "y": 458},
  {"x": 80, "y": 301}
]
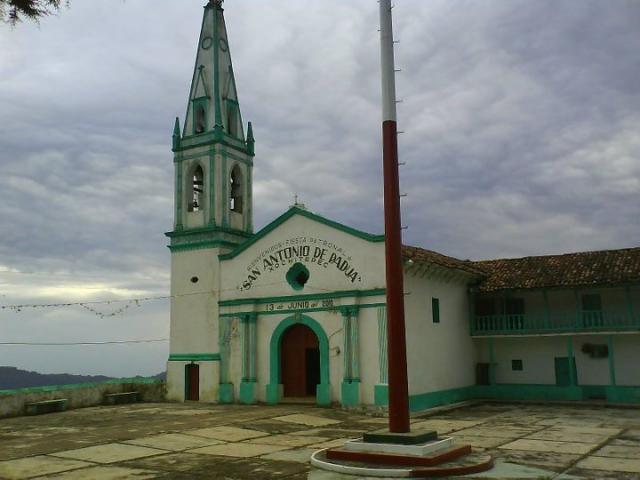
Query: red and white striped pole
[{"x": 396, "y": 338}]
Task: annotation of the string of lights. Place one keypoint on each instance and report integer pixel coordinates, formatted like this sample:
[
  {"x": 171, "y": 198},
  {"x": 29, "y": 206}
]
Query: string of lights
[{"x": 66, "y": 344}]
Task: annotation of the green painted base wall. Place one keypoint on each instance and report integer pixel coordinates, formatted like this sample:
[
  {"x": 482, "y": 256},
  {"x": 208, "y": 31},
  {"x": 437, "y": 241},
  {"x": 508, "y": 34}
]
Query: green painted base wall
[
  {"x": 350, "y": 394},
  {"x": 323, "y": 394},
  {"x": 248, "y": 392},
  {"x": 225, "y": 393},
  {"x": 617, "y": 394},
  {"x": 381, "y": 395},
  {"x": 273, "y": 393}
]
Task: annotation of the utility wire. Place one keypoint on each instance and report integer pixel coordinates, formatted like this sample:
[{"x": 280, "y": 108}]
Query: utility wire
[{"x": 59, "y": 344}]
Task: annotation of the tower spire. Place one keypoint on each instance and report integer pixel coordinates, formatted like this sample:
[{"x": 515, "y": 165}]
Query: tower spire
[{"x": 213, "y": 99}]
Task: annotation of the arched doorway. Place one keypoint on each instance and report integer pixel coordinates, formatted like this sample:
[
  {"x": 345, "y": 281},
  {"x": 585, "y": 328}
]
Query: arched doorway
[{"x": 300, "y": 361}]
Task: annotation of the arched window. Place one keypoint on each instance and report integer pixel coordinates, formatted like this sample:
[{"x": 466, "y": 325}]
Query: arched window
[
  {"x": 197, "y": 190},
  {"x": 200, "y": 120},
  {"x": 235, "y": 181}
]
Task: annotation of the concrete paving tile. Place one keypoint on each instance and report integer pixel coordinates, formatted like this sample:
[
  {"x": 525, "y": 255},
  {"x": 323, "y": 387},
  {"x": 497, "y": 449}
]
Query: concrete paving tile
[
  {"x": 185, "y": 412},
  {"x": 604, "y": 431},
  {"x": 567, "y": 436},
  {"x": 239, "y": 450},
  {"x": 182, "y": 465},
  {"x": 338, "y": 442},
  {"x": 478, "y": 441},
  {"x": 631, "y": 434},
  {"x": 226, "y": 433},
  {"x": 555, "y": 461},
  {"x": 288, "y": 440},
  {"x": 623, "y": 442},
  {"x": 511, "y": 471},
  {"x": 173, "y": 441},
  {"x": 629, "y": 465},
  {"x": 481, "y": 431},
  {"x": 260, "y": 468},
  {"x": 109, "y": 453},
  {"x": 618, "y": 451},
  {"x": 549, "y": 446},
  {"x": 444, "y": 426},
  {"x": 105, "y": 473},
  {"x": 33, "y": 466},
  {"x": 310, "y": 420},
  {"x": 300, "y": 455}
]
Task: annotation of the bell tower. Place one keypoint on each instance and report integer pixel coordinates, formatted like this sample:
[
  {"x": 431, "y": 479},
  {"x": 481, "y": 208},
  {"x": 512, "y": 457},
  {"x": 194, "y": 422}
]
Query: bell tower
[
  {"x": 213, "y": 161},
  {"x": 213, "y": 158}
]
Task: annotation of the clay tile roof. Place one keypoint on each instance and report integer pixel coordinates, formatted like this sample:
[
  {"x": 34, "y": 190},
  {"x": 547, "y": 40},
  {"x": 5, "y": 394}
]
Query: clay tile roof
[
  {"x": 418, "y": 254},
  {"x": 605, "y": 267}
]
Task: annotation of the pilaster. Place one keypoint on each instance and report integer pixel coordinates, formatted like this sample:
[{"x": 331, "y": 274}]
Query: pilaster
[
  {"x": 249, "y": 343},
  {"x": 351, "y": 380}
]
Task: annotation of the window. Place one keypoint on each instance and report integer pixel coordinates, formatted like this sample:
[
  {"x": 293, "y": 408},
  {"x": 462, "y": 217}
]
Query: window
[
  {"x": 200, "y": 123},
  {"x": 516, "y": 365},
  {"x": 485, "y": 307},
  {"x": 514, "y": 306},
  {"x": 592, "y": 310},
  {"x": 435, "y": 310},
  {"x": 514, "y": 313},
  {"x": 297, "y": 276},
  {"x": 197, "y": 190},
  {"x": 235, "y": 181}
]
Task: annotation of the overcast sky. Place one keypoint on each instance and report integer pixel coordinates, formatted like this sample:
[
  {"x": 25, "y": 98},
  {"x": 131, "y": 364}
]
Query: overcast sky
[{"x": 521, "y": 125}]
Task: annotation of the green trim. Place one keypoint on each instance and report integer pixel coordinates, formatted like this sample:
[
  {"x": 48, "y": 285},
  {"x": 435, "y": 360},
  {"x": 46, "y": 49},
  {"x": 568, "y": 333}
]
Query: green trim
[
  {"x": 307, "y": 214},
  {"x": 78, "y": 386},
  {"x": 511, "y": 392},
  {"x": 612, "y": 361},
  {"x": 323, "y": 393},
  {"x": 194, "y": 357},
  {"x": 529, "y": 392},
  {"x": 350, "y": 393},
  {"x": 225, "y": 191},
  {"x": 225, "y": 393},
  {"x": 492, "y": 362},
  {"x": 198, "y": 230},
  {"x": 248, "y": 392},
  {"x": 381, "y": 395},
  {"x": 311, "y": 296},
  {"x": 293, "y": 274},
  {"x": 212, "y": 191},
  {"x": 572, "y": 372},
  {"x": 306, "y": 310},
  {"x": 201, "y": 245},
  {"x": 382, "y": 344}
]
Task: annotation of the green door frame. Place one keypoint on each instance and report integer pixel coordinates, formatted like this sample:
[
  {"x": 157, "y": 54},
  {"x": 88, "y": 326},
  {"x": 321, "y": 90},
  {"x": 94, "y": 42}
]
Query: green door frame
[{"x": 323, "y": 391}]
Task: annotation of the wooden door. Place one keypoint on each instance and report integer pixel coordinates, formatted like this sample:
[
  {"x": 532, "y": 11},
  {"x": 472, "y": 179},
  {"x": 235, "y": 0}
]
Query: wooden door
[
  {"x": 192, "y": 374},
  {"x": 299, "y": 361}
]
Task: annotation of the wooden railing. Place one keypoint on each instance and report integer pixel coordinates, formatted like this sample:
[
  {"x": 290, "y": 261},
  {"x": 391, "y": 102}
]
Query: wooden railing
[{"x": 580, "y": 321}]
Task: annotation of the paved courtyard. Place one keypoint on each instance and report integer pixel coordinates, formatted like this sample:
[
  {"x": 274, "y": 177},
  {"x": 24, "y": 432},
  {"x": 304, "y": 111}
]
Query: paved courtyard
[{"x": 194, "y": 441}]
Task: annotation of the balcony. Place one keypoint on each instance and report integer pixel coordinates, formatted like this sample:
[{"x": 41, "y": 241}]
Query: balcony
[{"x": 583, "y": 321}]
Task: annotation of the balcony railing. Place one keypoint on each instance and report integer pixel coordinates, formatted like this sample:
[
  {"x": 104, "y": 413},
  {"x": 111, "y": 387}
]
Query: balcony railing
[{"x": 581, "y": 321}]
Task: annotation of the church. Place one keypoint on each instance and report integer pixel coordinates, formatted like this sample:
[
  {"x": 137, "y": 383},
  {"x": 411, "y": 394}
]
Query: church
[{"x": 296, "y": 311}]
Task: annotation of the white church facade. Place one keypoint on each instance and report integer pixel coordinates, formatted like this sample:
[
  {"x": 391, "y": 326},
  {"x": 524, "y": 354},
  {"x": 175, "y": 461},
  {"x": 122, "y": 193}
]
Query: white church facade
[{"x": 297, "y": 309}]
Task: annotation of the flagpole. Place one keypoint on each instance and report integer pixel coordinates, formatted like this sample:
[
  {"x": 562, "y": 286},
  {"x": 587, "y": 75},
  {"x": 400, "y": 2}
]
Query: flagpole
[{"x": 396, "y": 337}]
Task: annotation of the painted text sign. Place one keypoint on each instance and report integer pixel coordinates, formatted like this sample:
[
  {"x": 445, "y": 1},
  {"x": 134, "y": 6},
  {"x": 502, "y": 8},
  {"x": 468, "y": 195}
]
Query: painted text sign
[{"x": 308, "y": 250}]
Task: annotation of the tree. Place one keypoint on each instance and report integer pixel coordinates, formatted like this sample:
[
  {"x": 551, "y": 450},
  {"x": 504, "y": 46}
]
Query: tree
[{"x": 13, "y": 11}]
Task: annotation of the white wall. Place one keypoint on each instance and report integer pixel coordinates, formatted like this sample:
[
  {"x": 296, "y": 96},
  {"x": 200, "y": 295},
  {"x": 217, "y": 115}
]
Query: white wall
[
  {"x": 627, "y": 359},
  {"x": 440, "y": 356}
]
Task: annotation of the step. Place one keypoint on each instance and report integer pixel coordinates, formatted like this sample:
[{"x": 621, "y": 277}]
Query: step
[
  {"x": 427, "y": 448},
  {"x": 438, "y": 458}
]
